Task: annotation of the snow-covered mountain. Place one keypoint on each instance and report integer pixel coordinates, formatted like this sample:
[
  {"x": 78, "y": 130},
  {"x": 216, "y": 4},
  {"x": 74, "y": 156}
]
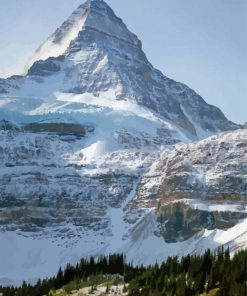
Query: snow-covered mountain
[
  {"x": 60, "y": 201},
  {"x": 96, "y": 156},
  {"x": 94, "y": 53}
]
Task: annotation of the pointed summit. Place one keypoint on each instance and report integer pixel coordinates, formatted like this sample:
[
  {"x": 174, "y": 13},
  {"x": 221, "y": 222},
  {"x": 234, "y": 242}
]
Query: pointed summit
[
  {"x": 91, "y": 15},
  {"x": 101, "y": 17},
  {"x": 99, "y": 6},
  {"x": 93, "y": 52}
]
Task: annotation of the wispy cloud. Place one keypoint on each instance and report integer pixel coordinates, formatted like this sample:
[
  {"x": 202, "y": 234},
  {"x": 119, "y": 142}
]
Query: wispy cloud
[{"x": 18, "y": 67}]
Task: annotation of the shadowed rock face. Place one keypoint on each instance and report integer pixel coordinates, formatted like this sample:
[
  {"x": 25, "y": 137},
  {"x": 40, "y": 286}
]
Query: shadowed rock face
[
  {"x": 179, "y": 222},
  {"x": 8, "y": 126},
  {"x": 58, "y": 128},
  {"x": 51, "y": 204},
  {"x": 45, "y": 68}
]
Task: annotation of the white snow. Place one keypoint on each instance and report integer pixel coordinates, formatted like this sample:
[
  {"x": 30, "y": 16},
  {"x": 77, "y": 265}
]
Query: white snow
[
  {"x": 138, "y": 250},
  {"x": 213, "y": 206},
  {"x": 118, "y": 226},
  {"x": 51, "y": 48},
  {"x": 30, "y": 258},
  {"x": 201, "y": 133}
]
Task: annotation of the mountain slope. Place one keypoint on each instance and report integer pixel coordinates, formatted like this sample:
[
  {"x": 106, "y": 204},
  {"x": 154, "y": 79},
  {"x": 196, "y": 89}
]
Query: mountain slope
[
  {"x": 95, "y": 156},
  {"x": 122, "y": 207},
  {"x": 94, "y": 52},
  {"x": 214, "y": 168}
]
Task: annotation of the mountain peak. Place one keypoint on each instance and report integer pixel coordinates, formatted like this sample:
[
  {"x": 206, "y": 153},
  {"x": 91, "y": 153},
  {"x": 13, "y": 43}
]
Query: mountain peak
[
  {"x": 93, "y": 52},
  {"x": 98, "y": 5},
  {"x": 91, "y": 15}
]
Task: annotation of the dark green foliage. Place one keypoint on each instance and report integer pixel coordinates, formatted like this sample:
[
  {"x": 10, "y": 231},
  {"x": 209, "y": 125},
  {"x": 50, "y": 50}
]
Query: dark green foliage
[
  {"x": 192, "y": 275},
  {"x": 114, "y": 264},
  {"x": 195, "y": 275}
]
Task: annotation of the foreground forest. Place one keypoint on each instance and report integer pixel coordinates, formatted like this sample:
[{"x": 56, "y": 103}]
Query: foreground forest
[{"x": 209, "y": 274}]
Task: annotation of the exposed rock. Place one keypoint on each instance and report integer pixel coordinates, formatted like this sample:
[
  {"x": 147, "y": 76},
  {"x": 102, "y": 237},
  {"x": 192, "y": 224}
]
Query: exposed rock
[
  {"x": 45, "y": 68},
  {"x": 179, "y": 222},
  {"x": 59, "y": 128},
  {"x": 8, "y": 126}
]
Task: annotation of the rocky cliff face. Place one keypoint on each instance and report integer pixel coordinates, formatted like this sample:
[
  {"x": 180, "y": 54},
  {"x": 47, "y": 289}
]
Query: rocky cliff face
[
  {"x": 57, "y": 197},
  {"x": 213, "y": 169},
  {"x": 182, "y": 220},
  {"x": 96, "y": 156}
]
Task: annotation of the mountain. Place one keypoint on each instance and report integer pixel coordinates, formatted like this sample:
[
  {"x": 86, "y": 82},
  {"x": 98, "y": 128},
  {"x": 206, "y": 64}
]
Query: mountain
[
  {"x": 97, "y": 155},
  {"x": 94, "y": 53}
]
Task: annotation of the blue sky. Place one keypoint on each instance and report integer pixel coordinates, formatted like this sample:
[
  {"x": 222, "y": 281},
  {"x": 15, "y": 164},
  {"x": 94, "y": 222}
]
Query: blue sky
[{"x": 202, "y": 43}]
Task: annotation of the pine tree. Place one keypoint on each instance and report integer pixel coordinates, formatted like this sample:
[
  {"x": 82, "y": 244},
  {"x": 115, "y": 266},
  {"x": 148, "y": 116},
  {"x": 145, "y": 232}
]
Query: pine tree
[{"x": 59, "y": 281}]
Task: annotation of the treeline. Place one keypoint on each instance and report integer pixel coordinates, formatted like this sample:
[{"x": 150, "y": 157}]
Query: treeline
[
  {"x": 192, "y": 275},
  {"x": 195, "y": 275},
  {"x": 111, "y": 265}
]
